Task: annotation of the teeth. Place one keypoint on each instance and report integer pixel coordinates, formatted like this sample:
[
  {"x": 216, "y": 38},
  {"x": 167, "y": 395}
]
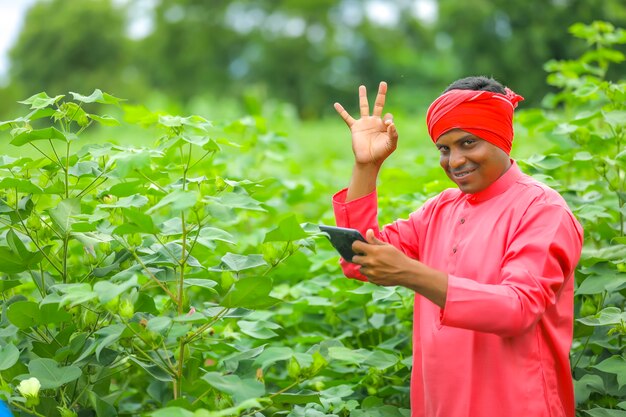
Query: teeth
[{"x": 462, "y": 174}]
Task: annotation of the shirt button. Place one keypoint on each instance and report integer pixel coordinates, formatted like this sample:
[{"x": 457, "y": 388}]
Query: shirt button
[
  {"x": 454, "y": 249},
  {"x": 462, "y": 220}
]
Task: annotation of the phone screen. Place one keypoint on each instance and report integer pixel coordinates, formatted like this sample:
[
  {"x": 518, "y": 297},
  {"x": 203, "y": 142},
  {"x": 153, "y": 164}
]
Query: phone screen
[{"x": 342, "y": 238}]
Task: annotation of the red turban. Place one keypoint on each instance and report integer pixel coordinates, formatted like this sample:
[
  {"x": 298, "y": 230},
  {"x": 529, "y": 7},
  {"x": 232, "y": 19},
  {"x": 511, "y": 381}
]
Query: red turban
[{"x": 484, "y": 114}]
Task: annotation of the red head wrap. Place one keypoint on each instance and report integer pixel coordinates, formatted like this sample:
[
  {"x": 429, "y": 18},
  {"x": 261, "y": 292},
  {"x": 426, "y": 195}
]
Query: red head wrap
[{"x": 484, "y": 114}]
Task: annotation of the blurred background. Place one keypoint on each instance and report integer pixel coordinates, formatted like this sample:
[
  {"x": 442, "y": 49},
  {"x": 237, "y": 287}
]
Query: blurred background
[{"x": 227, "y": 58}]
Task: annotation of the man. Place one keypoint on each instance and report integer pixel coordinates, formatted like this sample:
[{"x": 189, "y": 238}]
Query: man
[{"x": 491, "y": 262}]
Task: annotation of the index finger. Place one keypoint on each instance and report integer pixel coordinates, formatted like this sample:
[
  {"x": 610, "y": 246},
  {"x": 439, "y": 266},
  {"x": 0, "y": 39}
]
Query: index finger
[
  {"x": 344, "y": 114},
  {"x": 359, "y": 246},
  {"x": 380, "y": 99}
]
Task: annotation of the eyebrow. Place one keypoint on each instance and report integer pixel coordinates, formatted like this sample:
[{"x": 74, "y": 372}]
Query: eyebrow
[{"x": 461, "y": 139}]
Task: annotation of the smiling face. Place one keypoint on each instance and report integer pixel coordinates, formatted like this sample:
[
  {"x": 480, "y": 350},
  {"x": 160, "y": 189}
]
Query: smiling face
[{"x": 472, "y": 163}]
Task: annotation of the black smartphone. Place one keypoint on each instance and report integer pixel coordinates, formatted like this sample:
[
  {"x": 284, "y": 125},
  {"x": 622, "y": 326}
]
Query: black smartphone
[{"x": 341, "y": 238}]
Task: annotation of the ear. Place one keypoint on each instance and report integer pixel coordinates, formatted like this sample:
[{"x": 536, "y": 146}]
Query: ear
[{"x": 371, "y": 238}]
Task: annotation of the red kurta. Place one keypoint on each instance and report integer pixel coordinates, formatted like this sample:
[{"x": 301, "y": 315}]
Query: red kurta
[{"x": 500, "y": 346}]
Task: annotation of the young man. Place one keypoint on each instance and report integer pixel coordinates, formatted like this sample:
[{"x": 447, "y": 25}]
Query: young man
[{"x": 491, "y": 262}]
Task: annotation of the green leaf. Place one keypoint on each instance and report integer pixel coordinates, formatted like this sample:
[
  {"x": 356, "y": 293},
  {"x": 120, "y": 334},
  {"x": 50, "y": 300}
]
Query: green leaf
[
  {"x": 597, "y": 284},
  {"x": 172, "y": 412},
  {"x": 288, "y": 230},
  {"x": 137, "y": 222},
  {"x": 208, "y": 236},
  {"x": 344, "y": 354},
  {"x": 10, "y": 262},
  {"x": 178, "y": 121},
  {"x": 608, "y": 316},
  {"x": 96, "y": 97},
  {"x": 50, "y": 374},
  {"x": 303, "y": 397},
  {"x": 75, "y": 293},
  {"x": 258, "y": 329},
  {"x": 177, "y": 201},
  {"x": 48, "y": 133},
  {"x": 24, "y": 314},
  {"x": 107, "y": 290},
  {"x": 136, "y": 200},
  {"x": 237, "y": 263},
  {"x": 200, "y": 282},
  {"x": 250, "y": 292},
  {"x": 85, "y": 169},
  {"x": 41, "y": 100},
  {"x": 62, "y": 214},
  {"x": 153, "y": 370},
  {"x": 7, "y": 284},
  {"x": 605, "y": 412},
  {"x": 586, "y": 385},
  {"x": 239, "y": 389},
  {"x": 614, "y": 365},
  {"x": 381, "y": 360},
  {"x": 272, "y": 355},
  {"x": 104, "y": 120},
  {"x": 236, "y": 200},
  {"x": 9, "y": 355},
  {"x": 22, "y": 186}
]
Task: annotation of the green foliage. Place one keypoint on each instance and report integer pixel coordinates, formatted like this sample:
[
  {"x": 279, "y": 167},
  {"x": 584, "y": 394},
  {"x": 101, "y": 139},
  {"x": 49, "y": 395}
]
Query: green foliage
[
  {"x": 166, "y": 281},
  {"x": 586, "y": 120}
]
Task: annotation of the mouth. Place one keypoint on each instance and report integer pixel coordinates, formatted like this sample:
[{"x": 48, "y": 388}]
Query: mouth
[{"x": 462, "y": 174}]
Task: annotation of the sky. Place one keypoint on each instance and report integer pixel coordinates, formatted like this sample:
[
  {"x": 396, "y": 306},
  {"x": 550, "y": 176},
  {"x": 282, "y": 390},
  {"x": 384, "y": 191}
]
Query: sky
[{"x": 12, "y": 14}]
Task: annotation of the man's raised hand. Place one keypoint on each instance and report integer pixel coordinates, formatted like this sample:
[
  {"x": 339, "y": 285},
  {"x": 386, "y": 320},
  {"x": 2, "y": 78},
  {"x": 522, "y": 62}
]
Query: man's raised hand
[{"x": 374, "y": 137}]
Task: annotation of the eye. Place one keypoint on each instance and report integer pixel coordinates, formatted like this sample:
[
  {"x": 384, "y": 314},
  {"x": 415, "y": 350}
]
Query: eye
[
  {"x": 468, "y": 142},
  {"x": 443, "y": 149}
]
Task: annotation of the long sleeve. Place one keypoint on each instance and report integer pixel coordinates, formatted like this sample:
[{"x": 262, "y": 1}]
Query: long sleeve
[
  {"x": 362, "y": 214},
  {"x": 538, "y": 264}
]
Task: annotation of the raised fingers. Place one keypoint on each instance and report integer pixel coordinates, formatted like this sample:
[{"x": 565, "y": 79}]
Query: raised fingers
[
  {"x": 363, "y": 104},
  {"x": 344, "y": 114},
  {"x": 380, "y": 99}
]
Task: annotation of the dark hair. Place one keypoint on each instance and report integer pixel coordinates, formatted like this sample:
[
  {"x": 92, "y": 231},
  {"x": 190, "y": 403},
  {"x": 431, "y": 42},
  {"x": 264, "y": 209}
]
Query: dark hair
[{"x": 479, "y": 83}]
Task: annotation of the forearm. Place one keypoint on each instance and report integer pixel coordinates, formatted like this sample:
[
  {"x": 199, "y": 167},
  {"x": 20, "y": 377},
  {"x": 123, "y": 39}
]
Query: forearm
[
  {"x": 363, "y": 181},
  {"x": 426, "y": 281}
]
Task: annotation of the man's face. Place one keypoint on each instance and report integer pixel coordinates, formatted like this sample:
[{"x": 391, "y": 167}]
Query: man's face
[{"x": 472, "y": 163}]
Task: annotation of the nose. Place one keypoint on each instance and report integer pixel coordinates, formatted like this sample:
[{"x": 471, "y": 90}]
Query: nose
[{"x": 456, "y": 159}]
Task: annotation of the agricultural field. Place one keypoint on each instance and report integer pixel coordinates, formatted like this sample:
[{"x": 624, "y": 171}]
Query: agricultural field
[{"x": 167, "y": 265}]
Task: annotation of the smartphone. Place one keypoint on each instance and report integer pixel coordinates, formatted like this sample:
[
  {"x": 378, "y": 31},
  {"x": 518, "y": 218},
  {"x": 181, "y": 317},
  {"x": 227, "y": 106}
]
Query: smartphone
[{"x": 341, "y": 238}]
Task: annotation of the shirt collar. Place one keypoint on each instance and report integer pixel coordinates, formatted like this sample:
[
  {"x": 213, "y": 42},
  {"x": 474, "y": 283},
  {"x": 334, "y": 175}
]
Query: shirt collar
[{"x": 499, "y": 186}]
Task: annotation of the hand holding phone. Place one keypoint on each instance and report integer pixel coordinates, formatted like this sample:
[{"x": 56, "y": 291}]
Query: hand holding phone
[{"x": 342, "y": 238}]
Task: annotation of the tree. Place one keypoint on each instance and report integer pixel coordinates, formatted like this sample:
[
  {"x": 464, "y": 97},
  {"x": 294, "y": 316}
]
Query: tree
[{"x": 77, "y": 46}]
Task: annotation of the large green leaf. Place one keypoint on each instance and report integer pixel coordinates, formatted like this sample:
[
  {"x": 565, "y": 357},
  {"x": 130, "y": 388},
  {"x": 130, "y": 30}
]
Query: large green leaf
[
  {"x": 49, "y": 133},
  {"x": 176, "y": 201},
  {"x": 614, "y": 365},
  {"x": 41, "y": 100},
  {"x": 605, "y": 412},
  {"x": 96, "y": 97},
  {"x": 288, "y": 229},
  {"x": 239, "y": 389},
  {"x": 51, "y": 374},
  {"x": 22, "y": 186},
  {"x": 9, "y": 355},
  {"x": 250, "y": 292},
  {"x": 107, "y": 290},
  {"x": 63, "y": 214},
  {"x": 608, "y": 316},
  {"x": 24, "y": 314},
  {"x": 237, "y": 263}
]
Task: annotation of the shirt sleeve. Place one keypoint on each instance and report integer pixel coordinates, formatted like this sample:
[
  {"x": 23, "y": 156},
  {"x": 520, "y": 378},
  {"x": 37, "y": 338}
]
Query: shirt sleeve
[
  {"x": 362, "y": 214},
  {"x": 539, "y": 261}
]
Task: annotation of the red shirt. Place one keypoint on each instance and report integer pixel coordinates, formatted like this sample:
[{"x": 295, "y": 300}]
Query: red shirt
[{"x": 500, "y": 346}]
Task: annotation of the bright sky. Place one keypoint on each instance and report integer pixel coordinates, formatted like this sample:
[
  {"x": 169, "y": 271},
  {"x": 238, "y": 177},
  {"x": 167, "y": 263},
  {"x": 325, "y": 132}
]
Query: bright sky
[{"x": 12, "y": 14}]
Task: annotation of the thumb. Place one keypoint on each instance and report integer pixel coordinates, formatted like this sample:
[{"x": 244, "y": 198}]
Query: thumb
[{"x": 372, "y": 239}]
